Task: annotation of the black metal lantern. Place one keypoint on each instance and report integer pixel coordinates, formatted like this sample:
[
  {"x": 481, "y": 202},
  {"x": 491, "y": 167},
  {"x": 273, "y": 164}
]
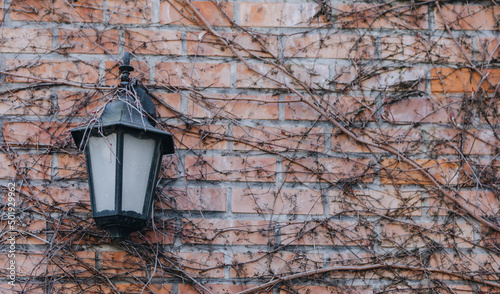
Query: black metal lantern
[{"x": 123, "y": 151}]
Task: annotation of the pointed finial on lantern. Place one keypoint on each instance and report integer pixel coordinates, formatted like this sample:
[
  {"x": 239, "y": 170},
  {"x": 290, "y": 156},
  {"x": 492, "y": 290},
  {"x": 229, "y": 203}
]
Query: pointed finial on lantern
[{"x": 125, "y": 70}]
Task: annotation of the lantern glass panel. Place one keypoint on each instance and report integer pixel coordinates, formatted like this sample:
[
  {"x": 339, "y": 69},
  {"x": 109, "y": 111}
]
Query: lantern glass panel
[
  {"x": 137, "y": 161},
  {"x": 102, "y": 152}
]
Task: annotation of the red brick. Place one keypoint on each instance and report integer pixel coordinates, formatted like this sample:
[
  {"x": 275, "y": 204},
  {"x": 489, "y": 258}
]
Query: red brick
[
  {"x": 122, "y": 264},
  {"x": 449, "y": 80},
  {"x": 420, "y": 234},
  {"x": 404, "y": 140},
  {"x": 278, "y": 139},
  {"x": 32, "y": 264},
  {"x": 57, "y": 10},
  {"x": 87, "y": 41},
  {"x": 326, "y": 169},
  {"x": 313, "y": 76},
  {"x": 185, "y": 74},
  {"x": 382, "y": 16},
  {"x": 480, "y": 141},
  {"x": 482, "y": 203},
  {"x": 228, "y": 232},
  {"x": 159, "y": 43},
  {"x": 330, "y": 290},
  {"x": 216, "y": 288},
  {"x": 329, "y": 46},
  {"x": 418, "y": 49},
  {"x": 31, "y": 166},
  {"x": 86, "y": 104},
  {"x": 203, "y": 44},
  {"x": 252, "y": 265},
  {"x": 467, "y": 17},
  {"x": 77, "y": 264},
  {"x": 316, "y": 233},
  {"x": 444, "y": 171},
  {"x": 65, "y": 198},
  {"x": 405, "y": 78},
  {"x": 131, "y": 12},
  {"x": 76, "y": 71},
  {"x": 370, "y": 202},
  {"x": 25, "y": 40},
  {"x": 112, "y": 76},
  {"x": 201, "y": 264},
  {"x": 231, "y": 168},
  {"x": 169, "y": 167},
  {"x": 170, "y": 99},
  {"x": 286, "y": 201},
  {"x": 71, "y": 166},
  {"x": 200, "y": 137},
  {"x": 178, "y": 14},
  {"x": 31, "y": 231},
  {"x": 280, "y": 15},
  {"x": 413, "y": 110},
  {"x": 239, "y": 107},
  {"x": 26, "y": 102},
  {"x": 196, "y": 198},
  {"x": 444, "y": 140},
  {"x": 488, "y": 50},
  {"x": 70, "y": 288},
  {"x": 36, "y": 133}
]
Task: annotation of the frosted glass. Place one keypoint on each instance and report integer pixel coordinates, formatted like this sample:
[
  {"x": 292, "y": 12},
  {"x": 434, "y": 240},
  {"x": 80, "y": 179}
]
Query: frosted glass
[
  {"x": 103, "y": 161},
  {"x": 137, "y": 159}
]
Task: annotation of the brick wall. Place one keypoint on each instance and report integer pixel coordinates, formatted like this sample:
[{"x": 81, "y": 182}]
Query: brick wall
[{"x": 322, "y": 146}]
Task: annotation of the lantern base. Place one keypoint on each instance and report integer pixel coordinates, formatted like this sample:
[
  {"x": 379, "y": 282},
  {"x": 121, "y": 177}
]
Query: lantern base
[{"x": 120, "y": 226}]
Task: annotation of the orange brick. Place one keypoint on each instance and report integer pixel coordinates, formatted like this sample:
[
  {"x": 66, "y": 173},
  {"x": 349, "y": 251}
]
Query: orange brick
[
  {"x": 70, "y": 288},
  {"x": 326, "y": 169},
  {"x": 444, "y": 171},
  {"x": 200, "y": 137},
  {"x": 90, "y": 103},
  {"x": 382, "y": 16},
  {"x": 31, "y": 231},
  {"x": 72, "y": 166},
  {"x": 329, "y": 233},
  {"x": 112, "y": 76},
  {"x": 65, "y": 198},
  {"x": 159, "y": 43},
  {"x": 193, "y": 75},
  {"x": 449, "y": 80},
  {"x": 271, "y": 77},
  {"x": 130, "y": 12},
  {"x": 67, "y": 12},
  {"x": 179, "y": 14},
  {"x": 87, "y": 41},
  {"x": 203, "y": 44},
  {"x": 444, "y": 140},
  {"x": 467, "y": 17},
  {"x": 216, "y": 288},
  {"x": 201, "y": 264},
  {"x": 329, "y": 46},
  {"x": 31, "y": 166},
  {"x": 406, "y": 78},
  {"x": 36, "y": 133},
  {"x": 228, "y": 232},
  {"x": 252, "y": 265},
  {"x": 369, "y": 202},
  {"x": 25, "y": 40},
  {"x": 239, "y": 107},
  {"x": 26, "y": 102},
  {"x": 231, "y": 168},
  {"x": 196, "y": 198},
  {"x": 418, "y": 49},
  {"x": 76, "y": 71},
  {"x": 280, "y": 15},
  {"x": 77, "y": 264},
  {"x": 278, "y": 139},
  {"x": 286, "y": 201},
  {"x": 122, "y": 264},
  {"x": 170, "y": 99}
]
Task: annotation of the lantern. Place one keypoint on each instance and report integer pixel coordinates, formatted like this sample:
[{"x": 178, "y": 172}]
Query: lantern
[{"x": 123, "y": 152}]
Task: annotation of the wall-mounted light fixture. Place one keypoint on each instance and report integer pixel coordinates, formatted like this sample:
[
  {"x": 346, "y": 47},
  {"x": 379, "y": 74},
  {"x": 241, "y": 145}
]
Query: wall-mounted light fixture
[{"x": 123, "y": 151}]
